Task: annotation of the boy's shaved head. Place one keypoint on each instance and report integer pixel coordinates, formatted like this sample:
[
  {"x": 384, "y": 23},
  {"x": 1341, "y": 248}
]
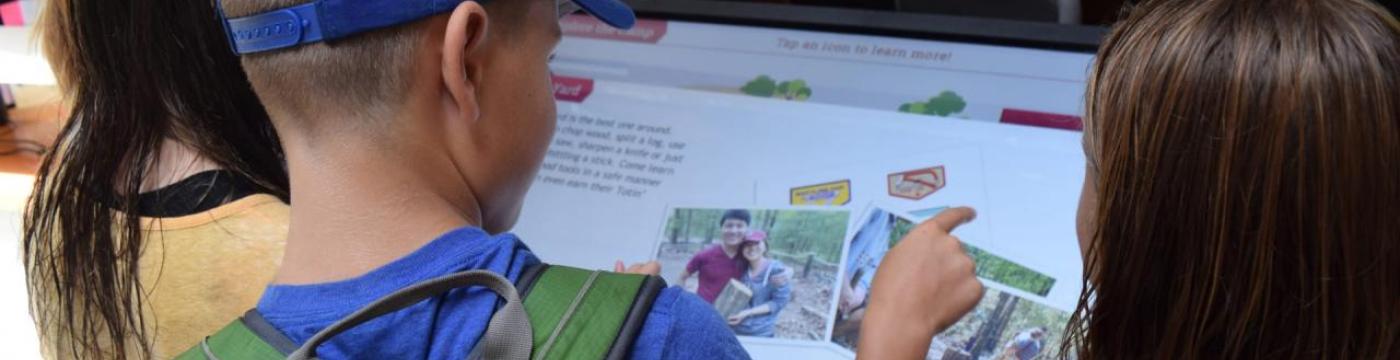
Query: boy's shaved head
[
  {"x": 365, "y": 76},
  {"x": 455, "y": 106}
]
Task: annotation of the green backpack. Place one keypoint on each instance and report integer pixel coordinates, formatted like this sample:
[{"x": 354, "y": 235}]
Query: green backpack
[{"x": 557, "y": 313}]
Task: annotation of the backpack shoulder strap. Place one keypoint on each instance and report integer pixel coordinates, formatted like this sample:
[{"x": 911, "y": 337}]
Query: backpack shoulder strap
[
  {"x": 575, "y": 314},
  {"x": 586, "y": 314},
  {"x": 267, "y": 332},
  {"x": 248, "y": 338},
  {"x": 507, "y": 336}
]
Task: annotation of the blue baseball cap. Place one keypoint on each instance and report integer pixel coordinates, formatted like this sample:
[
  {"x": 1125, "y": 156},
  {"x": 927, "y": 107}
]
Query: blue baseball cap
[{"x": 326, "y": 20}]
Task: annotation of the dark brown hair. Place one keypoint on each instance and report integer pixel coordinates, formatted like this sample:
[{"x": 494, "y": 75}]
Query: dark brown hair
[
  {"x": 1248, "y": 175},
  {"x": 136, "y": 73}
]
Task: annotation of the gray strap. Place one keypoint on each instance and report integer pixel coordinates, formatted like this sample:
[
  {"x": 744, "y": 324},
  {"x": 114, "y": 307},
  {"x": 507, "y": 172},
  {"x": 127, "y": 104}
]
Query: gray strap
[
  {"x": 568, "y": 314},
  {"x": 208, "y": 353},
  {"x": 267, "y": 332},
  {"x": 508, "y": 336}
]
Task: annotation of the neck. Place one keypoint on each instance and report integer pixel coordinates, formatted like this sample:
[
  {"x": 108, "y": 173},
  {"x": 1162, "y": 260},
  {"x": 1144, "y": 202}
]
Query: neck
[
  {"x": 358, "y": 205},
  {"x": 175, "y": 162}
]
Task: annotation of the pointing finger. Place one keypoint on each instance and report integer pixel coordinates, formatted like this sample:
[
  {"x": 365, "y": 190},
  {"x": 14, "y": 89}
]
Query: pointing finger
[{"x": 952, "y": 218}]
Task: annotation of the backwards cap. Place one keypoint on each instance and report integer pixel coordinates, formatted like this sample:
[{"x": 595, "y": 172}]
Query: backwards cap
[{"x": 326, "y": 20}]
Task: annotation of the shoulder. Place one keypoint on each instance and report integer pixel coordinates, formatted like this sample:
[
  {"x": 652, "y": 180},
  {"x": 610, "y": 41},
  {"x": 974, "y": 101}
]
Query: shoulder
[
  {"x": 254, "y": 213},
  {"x": 262, "y": 212},
  {"x": 682, "y": 326},
  {"x": 777, "y": 268}
]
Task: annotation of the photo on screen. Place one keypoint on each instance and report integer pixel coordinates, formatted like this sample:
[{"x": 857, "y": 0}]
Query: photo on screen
[
  {"x": 1003, "y": 326},
  {"x": 771, "y": 273},
  {"x": 985, "y": 333}
]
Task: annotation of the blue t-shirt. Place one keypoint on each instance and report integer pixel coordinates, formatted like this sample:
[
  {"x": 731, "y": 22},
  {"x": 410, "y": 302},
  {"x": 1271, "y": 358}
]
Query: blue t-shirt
[{"x": 680, "y": 325}]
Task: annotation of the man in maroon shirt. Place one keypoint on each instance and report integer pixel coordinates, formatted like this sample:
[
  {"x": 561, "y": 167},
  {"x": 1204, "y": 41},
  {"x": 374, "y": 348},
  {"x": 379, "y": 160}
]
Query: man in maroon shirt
[{"x": 720, "y": 263}]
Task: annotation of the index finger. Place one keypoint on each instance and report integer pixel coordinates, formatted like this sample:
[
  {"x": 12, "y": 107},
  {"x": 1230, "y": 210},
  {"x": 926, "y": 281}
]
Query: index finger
[{"x": 952, "y": 218}]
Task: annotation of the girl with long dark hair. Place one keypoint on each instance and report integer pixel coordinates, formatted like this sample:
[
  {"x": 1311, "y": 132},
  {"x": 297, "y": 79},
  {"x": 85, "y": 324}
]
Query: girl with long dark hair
[{"x": 161, "y": 212}]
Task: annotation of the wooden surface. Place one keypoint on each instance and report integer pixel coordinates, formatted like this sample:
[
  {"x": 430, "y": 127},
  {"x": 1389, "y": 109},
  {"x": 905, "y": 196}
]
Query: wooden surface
[
  {"x": 37, "y": 118},
  {"x": 36, "y": 123}
]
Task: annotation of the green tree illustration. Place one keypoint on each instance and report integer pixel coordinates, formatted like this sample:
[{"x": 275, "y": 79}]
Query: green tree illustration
[
  {"x": 794, "y": 90},
  {"x": 763, "y": 86},
  {"x": 945, "y": 104}
]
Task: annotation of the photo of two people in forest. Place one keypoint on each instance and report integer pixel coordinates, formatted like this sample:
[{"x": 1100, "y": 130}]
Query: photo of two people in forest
[{"x": 770, "y": 273}]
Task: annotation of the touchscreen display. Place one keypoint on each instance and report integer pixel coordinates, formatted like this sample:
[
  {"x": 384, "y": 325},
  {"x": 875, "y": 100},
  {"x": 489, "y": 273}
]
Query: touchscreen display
[{"x": 831, "y": 146}]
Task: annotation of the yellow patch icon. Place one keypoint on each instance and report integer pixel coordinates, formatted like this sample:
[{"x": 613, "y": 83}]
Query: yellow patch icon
[{"x": 825, "y": 194}]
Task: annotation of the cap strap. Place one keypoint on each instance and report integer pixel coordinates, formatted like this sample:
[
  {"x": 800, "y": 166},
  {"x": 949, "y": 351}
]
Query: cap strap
[{"x": 276, "y": 29}]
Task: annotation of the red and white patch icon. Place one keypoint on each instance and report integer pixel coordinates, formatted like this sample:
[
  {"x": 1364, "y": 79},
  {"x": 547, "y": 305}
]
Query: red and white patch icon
[{"x": 917, "y": 184}]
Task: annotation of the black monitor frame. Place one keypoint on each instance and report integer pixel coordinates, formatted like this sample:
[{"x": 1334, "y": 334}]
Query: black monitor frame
[{"x": 1050, "y": 36}]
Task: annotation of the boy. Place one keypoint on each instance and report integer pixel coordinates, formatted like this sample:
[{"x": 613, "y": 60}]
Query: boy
[
  {"x": 718, "y": 264},
  {"x": 412, "y": 134}
]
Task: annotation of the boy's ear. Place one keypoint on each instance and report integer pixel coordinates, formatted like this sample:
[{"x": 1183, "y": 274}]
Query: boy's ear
[{"x": 466, "y": 31}]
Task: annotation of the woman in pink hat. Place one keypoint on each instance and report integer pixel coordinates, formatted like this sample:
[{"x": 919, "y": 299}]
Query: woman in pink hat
[{"x": 767, "y": 278}]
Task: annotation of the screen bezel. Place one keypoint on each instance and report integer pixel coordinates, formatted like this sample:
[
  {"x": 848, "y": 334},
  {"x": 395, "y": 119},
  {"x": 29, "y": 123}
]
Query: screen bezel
[{"x": 1048, "y": 36}]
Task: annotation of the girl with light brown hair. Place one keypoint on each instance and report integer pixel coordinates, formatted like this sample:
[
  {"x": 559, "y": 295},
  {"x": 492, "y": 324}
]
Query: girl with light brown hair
[{"x": 1242, "y": 197}]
